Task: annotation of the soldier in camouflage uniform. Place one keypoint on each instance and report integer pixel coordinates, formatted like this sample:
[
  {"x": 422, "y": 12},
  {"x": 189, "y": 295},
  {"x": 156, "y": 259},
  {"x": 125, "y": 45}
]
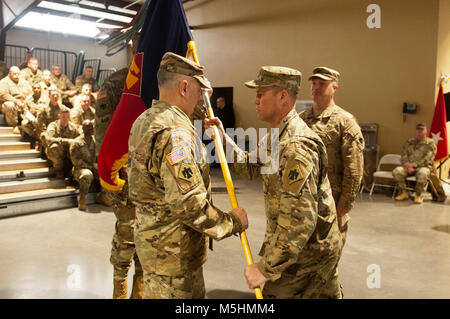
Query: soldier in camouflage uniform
[
  {"x": 123, "y": 251},
  {"x": 302, "y": 244},
  {"x": 86, "y": 77},
  {"x": 82, "y": 154},
  {"x": 170, "y": 185},
  {"x": 343, "y": 139},
  {"x": 49, "y": 113},
  {"x": 64, "y": 85},
  {"x": 46, "y": 82},
  {"x": 83, "y": 112},
  {"x": 31, "y": 73},
  {"x": 417, "y": 160},
  {"x": 34, "y": 104},
  {"x": 13, "y": 91},
  {"x": 58, "y": 137},
  {"x": 3, "y": 70}
]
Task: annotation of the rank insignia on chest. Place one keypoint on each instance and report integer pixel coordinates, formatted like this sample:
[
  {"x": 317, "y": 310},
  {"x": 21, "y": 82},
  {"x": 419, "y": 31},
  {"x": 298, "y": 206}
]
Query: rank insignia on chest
[{"x": 177, "y": 156}]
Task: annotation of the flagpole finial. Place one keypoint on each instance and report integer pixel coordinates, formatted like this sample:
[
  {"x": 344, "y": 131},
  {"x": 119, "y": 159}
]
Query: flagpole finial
[{"x": 444, "y": 78}]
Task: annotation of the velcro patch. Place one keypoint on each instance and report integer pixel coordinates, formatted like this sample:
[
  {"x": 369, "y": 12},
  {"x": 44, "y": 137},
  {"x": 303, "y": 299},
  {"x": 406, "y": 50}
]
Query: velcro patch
[
  {"x": 177, "y": 156},
  {"x": 185, "y": 172},
  {"x": 295, "y": 174},
  {"x": 102, "y": 94}
]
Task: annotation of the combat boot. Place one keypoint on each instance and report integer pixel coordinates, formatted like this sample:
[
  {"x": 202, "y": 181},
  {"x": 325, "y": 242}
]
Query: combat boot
[
  {"x": 82, "y": 202},
  {"x": 417, "y": 199},
  {"x": 59, "y": 174},
  {"x": 138, "y": 282},
  {"x": 102, "y": 199},
  {"x": 403, "y": 195},
  {"x": 120, "y": 289}
]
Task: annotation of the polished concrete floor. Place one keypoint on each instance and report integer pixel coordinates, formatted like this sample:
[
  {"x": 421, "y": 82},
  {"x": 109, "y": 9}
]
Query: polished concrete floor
[{"x": 393, "y": 250}]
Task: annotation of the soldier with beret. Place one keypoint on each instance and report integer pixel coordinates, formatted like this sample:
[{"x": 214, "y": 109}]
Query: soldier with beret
[
  {"x": 170, "y": 185},
  {"x": 302, "y": 244},
  {"x": 417, "y": 160}
]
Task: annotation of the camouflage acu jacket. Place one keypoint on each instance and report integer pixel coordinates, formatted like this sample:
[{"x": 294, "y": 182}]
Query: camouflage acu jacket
[
  {"x": 170, "y": 185},
  {"x": 82, "y": 152},
  {"x": 344, "y": 141},
  {"x": 421, "y": 153},
  {"x": 56, "y": 133},
  {"x": 301, "y": 229}
]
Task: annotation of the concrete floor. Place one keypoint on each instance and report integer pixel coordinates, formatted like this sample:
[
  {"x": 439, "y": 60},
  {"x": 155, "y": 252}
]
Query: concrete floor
[{"x": 393, "y": 250}]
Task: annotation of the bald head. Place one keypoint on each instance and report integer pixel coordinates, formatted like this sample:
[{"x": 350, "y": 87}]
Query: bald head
[{"x": 14, "y": 72}]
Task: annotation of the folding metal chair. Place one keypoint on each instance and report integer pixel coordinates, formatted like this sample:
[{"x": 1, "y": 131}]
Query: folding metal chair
[{"x": 388, "y": 159}]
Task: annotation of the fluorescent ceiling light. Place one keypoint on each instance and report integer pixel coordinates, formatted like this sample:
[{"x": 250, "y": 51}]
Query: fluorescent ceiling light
[
  {"x": 67, "y": 25},
  {"x": 86, "y": 12},
  {"x": 112, "y": 8}
]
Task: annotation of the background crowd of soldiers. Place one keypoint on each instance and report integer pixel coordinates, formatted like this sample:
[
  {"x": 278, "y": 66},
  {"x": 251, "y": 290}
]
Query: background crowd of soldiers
[{"x": 56, "y": 116}]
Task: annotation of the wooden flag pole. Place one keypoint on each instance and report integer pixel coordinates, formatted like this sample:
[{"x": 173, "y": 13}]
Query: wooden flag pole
[
  {"x": 229, "y": 184},
  {"x": 192, "y": 51}
]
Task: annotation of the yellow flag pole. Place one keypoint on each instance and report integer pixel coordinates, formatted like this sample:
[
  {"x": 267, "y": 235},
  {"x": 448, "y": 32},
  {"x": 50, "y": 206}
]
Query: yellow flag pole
[{"x": 225, "y": 170}]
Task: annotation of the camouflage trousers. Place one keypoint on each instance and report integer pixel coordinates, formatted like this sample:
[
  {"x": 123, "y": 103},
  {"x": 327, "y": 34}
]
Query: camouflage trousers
[
  {"x": 57, "y": 153},
  {"x": 30, "y": 128},
  {"x": 123, "y": 250},
  {"x": 188, "y": 286},
  {"x": 422, "y": 174},
  {"x": 84, "y": 177},
  {"x": 10, "y": 110},
  {"x": 320, "y": 283}
]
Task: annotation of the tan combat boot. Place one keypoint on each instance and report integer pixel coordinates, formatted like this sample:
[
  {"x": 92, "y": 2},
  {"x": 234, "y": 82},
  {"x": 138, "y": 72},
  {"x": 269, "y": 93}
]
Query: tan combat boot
[
  {"x": 120, "y": 289},
  {"x": 102, "y": 199},
  {"x": 403, "y": 195},
  {"x": 417, "y": 199},
  {"x": 138, "y": 282},
  {"x": 82, "y": 202}
]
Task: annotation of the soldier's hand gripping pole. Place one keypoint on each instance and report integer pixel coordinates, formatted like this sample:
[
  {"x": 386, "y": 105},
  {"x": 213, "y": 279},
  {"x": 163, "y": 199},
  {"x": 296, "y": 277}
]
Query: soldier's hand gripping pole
[{"x": 229, "y": 184}]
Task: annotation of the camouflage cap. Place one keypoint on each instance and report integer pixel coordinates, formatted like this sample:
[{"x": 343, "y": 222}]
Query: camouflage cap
[
  {"x": 421, "y": 126},
  {"x": 280, "y": 76},
  {"x": 175, "y": 63},
  {"x": 325, "y": 73}
]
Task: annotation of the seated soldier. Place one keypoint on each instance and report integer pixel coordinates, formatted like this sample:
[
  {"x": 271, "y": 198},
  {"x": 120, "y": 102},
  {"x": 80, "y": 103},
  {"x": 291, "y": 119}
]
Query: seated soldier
[
  {"x": 87, "y": 77},
  {"x": 58, "y": 137},
  {"x": 83, "y": 112},
  {"x": 13, "y": 91},
  {"x": 34, "y": 104},
  {"x": 28, "y": 56},
  {"x": 417, "y": 160},
  {"x": 31, "y": 73},
  {"x": 64, "y": 85},
  {"x": 49, "y": 113},
  {"x": 46, "y": 82},
  {"x": 82, "y": 153},
  {"x": 86, "y": 89}
]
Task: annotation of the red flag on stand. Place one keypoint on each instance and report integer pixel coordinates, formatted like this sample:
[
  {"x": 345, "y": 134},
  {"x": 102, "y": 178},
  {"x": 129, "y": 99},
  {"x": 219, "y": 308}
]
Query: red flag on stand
[{"x": 438, "y": 130}]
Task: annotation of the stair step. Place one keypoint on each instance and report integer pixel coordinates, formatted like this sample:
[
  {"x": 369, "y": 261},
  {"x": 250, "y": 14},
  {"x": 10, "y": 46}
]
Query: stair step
[
  {"x": 6, "y": 130},
  {"x": 31, "y": 184},
  {"x": 27, "y": 174},
  {"x": 14, "y": 146},
  {"x": 10, "y": 165},
  {"x": 40, "y": 201},
  {"x": 20, "y": 154},
  {"x": 10, "y": 137}
]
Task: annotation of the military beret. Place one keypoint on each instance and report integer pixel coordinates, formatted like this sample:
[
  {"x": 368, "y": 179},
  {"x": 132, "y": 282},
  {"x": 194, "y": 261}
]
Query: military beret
[
  {"x": 280, "y": 76},
  {"x": 175, "y": 63},
  {"x": 420, "y": 126},
  {"x": 325, "y": 73}
]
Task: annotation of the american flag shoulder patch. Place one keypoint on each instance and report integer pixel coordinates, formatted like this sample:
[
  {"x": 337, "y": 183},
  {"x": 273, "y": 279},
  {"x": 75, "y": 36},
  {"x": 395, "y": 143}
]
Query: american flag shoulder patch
[{"x": 176, "y": 156}]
